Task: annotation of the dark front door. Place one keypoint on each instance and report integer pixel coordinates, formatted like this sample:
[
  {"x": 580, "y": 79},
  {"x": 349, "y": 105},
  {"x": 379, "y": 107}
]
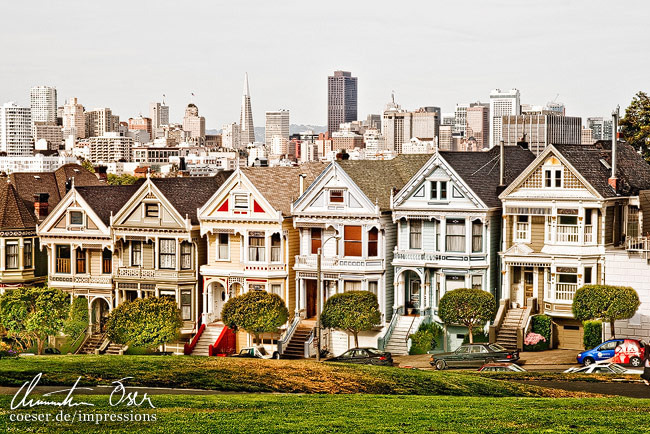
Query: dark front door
[{"x": 312, "y": 297}]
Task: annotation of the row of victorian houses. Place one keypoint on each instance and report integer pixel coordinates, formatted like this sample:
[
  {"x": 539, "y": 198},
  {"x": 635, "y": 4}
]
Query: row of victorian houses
[{"x": 530, "y": 230}]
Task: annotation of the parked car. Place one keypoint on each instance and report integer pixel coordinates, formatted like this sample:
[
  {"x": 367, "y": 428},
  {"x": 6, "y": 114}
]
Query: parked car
[
  {"x": 52, "y": 351},
  {"x": 501, "y": 367},
  {"x": 473, "y": 355},
  {"x": 621, "y": 351},
  {"x": 257, "y": 352},
  {"x": 364, "y": 356},
  {"x": 603, "y": 368}
]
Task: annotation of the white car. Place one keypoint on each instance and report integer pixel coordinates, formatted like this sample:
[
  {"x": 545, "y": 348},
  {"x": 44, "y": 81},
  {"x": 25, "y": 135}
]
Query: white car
[
  {"x": 603, "y": 368},
  {"x": 257, "y": 352}
]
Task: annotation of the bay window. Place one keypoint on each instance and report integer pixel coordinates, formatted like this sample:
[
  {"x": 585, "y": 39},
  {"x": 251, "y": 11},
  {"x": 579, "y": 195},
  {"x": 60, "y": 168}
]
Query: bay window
[
  {"x": 415, "y": 234},
  {"x": 352, "y": 241},
  {"x": 222, "y": 246},
  {"x": 316, "y": 238},
  {"x": 136, "y": 253},
  {"x": 186, "y": 304},
  {"x": 62, "y": 259},
  {"x": 522, "y": 228},
  {"x": 567, "y": 229},
  {"x": 28, "y": 254},
  {"x": 186, "y": 255},
  {"x": 455, "y": 235},
  {"x": 373, "y": 240},
  {"x": 276, "y": 248},
  {"x": 167, "y": 254},
  {"x": 80, "y": 261},
  {"x": 256, "y": 246},
  {"x": 477, "y": 236},
  {"x": 11, "y": 255}
]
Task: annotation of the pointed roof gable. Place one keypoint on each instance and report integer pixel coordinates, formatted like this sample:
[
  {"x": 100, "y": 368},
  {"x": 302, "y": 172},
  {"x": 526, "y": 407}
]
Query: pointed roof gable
[
  {"x": 377, "y": 178},
  {"x": 108, "y": 199},
  {"x": 480, "y": 170},
  {"x": 13, "y": 212},
  {"x": 280, "y": 185}
]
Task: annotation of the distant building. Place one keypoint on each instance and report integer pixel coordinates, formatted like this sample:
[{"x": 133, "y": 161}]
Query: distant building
[
  {"x": 140, "y": 123},
  {"x": 16, "y": 130},
  {"x": 101, "y": 121},
  {"x": 43, "y": 104},
  {"x": 278, "y": 145},
  {"x": 601, "y": 128},
  {"x": 541, "y": 130},
  {"x": 50, "y": 132},
  {"x": 399, "y": 126},
  {"x": 231, "y": 136},
  {"x": 341, "y": 99},
  {"x": 501, "y": 104},
  {"x": 159, "y": 114},
  {"x": 478, "y": 125},
  {"x": 277, "y": 124},
  {"x": 110, "y": 147},
  {"x": 374, "y": 141},
  {"x": 587, "y": 136},
  {"x": 460, "y": 119},
  {"x": 324, "y": 143},
  {"x": 419, "y": 146},
  {"x": 193, "y": 123},
  {"x": 213, "y": 140},
  {"x": 74, "y": 123},
  {"x": 34, "y": 163},
  {"x": 346, "y": 140},
  {"x": 446, "y": 138},
  {"x": 247, "y": 130}
]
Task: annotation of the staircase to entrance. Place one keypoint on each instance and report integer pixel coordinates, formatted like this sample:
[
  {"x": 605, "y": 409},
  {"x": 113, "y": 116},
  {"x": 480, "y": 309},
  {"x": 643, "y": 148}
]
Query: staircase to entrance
[
  {"x": 208, "y": 337},
  {"x": 296, "y": 347},
  {"x": 507, "y": 334},
  {"x": 96, "y": 342},
  {"x": 398, "y": 343},
  {"x": 510, "y": 324}
]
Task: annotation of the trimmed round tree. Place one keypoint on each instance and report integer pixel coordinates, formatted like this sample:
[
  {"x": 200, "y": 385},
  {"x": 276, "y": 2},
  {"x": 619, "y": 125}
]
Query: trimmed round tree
[
  {"x": 145, "y": 322},
  {"x": 256, "y": 312},
  {"x": 30, "y": 315},
  {"x": 605, "y": 302},
  {"x": 467, "y": 306},
  {"x": 352, "y": 312}
]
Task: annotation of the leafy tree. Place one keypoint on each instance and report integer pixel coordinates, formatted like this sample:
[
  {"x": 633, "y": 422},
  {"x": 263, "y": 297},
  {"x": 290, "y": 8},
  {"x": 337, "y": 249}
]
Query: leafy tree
[
  {"x": 145, "y": 322},
  {"x": 256, "y": 312},
  {"x": 88, "y": 166},
  {"x": 32, "y": 314},
  {"x": 467, "y": 306},
  {"x": 124, "y": 179},
  {"x": 635, "y": 125},
  {"x": 352, "y": 311},
  {"x": 77, "y": 322},
  {"x": 605, "y": 302}
]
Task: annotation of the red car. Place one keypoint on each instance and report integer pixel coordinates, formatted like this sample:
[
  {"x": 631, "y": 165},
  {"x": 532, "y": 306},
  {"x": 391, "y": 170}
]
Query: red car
[{"x": 628, "y": 352}]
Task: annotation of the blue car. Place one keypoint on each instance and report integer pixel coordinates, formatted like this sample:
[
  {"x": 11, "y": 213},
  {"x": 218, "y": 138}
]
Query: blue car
[{"x": 607, "y": 350}]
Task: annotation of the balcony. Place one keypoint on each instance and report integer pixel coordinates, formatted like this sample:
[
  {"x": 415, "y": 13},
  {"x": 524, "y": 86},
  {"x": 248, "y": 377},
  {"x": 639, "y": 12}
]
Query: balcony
[
  {"x": 154, "y": 275},
  {"x": 567, "y": 233},
  {"x": 308, "y": 262},
  {"x": 638, "y": 244},
  {"x": 74, "y": 281},
  {"x": 564, "y": 292},
  {"x": 423, "y": 257}
]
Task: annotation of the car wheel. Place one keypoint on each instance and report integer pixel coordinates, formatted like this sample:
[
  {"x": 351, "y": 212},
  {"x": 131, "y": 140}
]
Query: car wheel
[
  {"x": 276, "y": 355},
  {"x": 587, "y": 361},
  {"x": 440, "y": 365},
  {"x": 635, "y": 361}
]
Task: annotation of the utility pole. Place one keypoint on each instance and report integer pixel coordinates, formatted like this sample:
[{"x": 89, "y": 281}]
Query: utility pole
[{"x": 319, "y": 303}]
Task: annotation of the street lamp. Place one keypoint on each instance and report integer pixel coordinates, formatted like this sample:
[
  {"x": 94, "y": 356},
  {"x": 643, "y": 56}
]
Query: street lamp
[{"x": 319, "y": 302}]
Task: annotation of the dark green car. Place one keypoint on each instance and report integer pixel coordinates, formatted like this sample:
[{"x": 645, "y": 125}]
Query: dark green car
[{"x": 473, "y": 356}]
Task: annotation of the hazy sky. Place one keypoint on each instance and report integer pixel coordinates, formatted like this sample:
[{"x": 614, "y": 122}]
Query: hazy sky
[{"x": 124, "y": 54}]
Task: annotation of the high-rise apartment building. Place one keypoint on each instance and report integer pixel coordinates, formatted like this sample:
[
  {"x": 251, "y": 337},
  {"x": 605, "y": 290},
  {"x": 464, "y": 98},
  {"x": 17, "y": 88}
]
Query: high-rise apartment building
[
  {"x": 341, "y": 99},
  {"x": 16, "y": 130},
  {"x": 246, "y": 128},
  {"x": 74, "y": 122},
  {"x": 193, "y": 123},
  {"x": 43, "y": 104},
  {"x": 460, "y": 119},
  {"x": 587, "y": 136},
  {"x": 48, "y": 131},
  {"x": 478, "y": 125},
  {"x": 601, "y": 128},
  {"x": 100, "y": 121},
  {"x": 502, "y": 104},
  {"x": 399, "y": 126},
  {"x": 110, "y": 147},
  {"x": 159, "y": 114},
  {"x": 277, "y": 124},
  {"x": 231, "y": 136},
  {"x": 541, "y": 130}
]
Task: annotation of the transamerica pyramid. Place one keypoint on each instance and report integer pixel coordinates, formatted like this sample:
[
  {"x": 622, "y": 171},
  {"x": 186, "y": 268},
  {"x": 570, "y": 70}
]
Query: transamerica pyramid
[{"x": 246, "y": 116}]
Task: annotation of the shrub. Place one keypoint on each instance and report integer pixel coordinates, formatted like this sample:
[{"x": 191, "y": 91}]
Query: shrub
[
  {"x": 256, "y": 312},
  {"x": 353, "y": 312},
  {"x": 425, "y": 338},
  {"x": 6, "y": 351},
  {"x": 467, "y": 306},
  {"x": 540, "y": 325},
  {"x": 479, "y": 337},
  {"x": 605, "y": 302},
  {"x": 77, "y": 322},
  {"x": 144, "y": 322},
  {"x": 534, "y": 339},
  {"x": 593, "y": 332}
]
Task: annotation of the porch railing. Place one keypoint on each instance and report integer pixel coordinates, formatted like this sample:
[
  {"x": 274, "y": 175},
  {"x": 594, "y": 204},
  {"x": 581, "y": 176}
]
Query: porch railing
[
  {"x": 638, "y": 244},
  {"x": 188, "y": 348},
  {"x": 567, "y": 233},
  {"x": 589, "y": 235},
  {"x": 63, "y": 265},
  {"x": 382, "y": 341},
  {"x": 565, "y": 291},
  {"x": 284, "y": 340}
]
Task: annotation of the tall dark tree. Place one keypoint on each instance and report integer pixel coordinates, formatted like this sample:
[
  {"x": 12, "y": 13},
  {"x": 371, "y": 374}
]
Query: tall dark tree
[{"x": 635, "y": 125}]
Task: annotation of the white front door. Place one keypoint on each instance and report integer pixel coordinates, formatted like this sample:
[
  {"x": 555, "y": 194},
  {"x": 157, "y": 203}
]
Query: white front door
[{"x": 219, "y": 298}]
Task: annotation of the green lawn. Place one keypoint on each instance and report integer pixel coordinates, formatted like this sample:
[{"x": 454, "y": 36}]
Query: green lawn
[
  {"x": 357, "y": 413},
  {"x": 250, "y": 375}
]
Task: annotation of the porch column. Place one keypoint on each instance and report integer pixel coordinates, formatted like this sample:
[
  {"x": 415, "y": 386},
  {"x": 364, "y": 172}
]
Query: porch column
[
  {"x": 506, "y": 282},
  {"x": 205, "y": 302},
  {"x": 536, "y": 283},
  {"x": 297, "y": 290},
  {"x": 303, "y": 294},
  {"x": 139, "y": 293},
  {"x": 117, "y": 297},
  {"x": 3, "y": 256},
  {"x": 178, "y": 254}
]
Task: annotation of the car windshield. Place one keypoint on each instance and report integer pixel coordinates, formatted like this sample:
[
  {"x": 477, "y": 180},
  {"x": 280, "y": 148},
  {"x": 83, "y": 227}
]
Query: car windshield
[{"x": 497, "y": 347}]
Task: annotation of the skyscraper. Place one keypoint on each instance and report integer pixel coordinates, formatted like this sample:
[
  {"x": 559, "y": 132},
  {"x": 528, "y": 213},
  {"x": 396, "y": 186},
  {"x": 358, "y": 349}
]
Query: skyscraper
[
  {"x": 101, "y": 121},
  {"x": 16, "y": 130},
  {"x": 277, "y": 124},
  {"x": 231, "y": 136},
  {"x": 246, "y": 127},
  {"x": 193, "y": 123},
  {"x": 502, "y": 104},
  {"x": 159, "y": 114},
  {"x": 478, "y": 125},
  {"x": 73, "y": 119},
  {"x": 399, "y": 126},
  {"x": 43, "y": 104},
  {"x": 601, "y": 128},
  {"x": 341, "y": 99},
  {"x": 541, "y": 130}
]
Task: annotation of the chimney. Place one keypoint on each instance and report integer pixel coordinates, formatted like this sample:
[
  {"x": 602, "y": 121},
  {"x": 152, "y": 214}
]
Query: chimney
[
  {"x": 502, "y": 164},
  {"x": 100, "y": 172},
  {"x": 342, "y": 155},
  {"x": 613, "y": 179},
  {"x": 41, "y": 205},
  {"x": 301, "y": 180},
  {"x": 523, "y": 143}
]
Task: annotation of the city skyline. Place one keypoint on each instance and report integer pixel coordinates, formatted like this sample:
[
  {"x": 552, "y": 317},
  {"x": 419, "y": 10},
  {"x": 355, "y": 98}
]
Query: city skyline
[{"x": 592, "y": 85}]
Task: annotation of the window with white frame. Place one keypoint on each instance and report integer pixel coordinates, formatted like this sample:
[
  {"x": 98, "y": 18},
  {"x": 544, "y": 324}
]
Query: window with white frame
[
  {"x": 28, "y": 261},
  {"x": 477, "y": 281},
  {"x": 632, "y": 222},
  {"x": 373, "y": 241},
  {"x": 76, "y": 218},
  {"x": 352, "y": 241},
  {"x": 136, "y": 253},
  {"x": 186, "y": 304},
  {"x": 477, "y": 236},
  {"x": 276, "y": 289},
  {"x": 151, "y": 210},
  {"x": 567, "y": 228},
  {"x": 167, "y": 254},
  {"x": 240, "y": 201},
  {"x": 587, "y": 277},
  {"x": 438, "y": 190},
  {"x": 351, "y": 285},
  {"x": 553, "y": 177},
  {"x": 276, "y": 248},
  {"x": 336, "y": 197},
  {"x": 256, "y": 246},
  {"x": 11, "y": 255},
  {"x": 223, "y": 251},
  {"x": 186, "y": 255},
  {"x": 455, "y": 235},
  {"x": 415, "y": 234},
  {"x": 522, "y": 228},
  {"x": 373, "y": 287}
]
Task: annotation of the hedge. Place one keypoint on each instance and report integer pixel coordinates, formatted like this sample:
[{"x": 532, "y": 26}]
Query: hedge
[
  {"x": 425, "y": 338},
  {"x": 593, "y": 332}
]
